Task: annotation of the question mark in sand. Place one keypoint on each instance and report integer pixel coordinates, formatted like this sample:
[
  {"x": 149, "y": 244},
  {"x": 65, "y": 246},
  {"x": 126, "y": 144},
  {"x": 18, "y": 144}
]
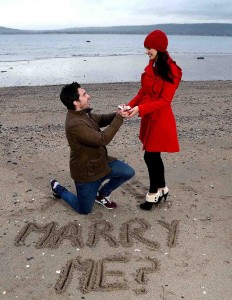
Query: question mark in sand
[{"x": 141, "y": 274}]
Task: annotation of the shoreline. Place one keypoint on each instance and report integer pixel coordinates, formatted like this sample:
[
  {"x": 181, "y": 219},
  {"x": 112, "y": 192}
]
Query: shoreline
[
  {"x": 137, "y": 83},
  {"x": 109, "y": 69},
  {"x": 175, "y": 250}
]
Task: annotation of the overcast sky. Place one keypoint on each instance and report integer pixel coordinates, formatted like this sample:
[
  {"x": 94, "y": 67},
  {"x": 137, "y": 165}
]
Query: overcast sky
[{"x": 57, "y": 14}]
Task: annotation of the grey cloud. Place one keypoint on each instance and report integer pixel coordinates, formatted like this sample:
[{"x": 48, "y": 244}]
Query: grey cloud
[{"x": 197, "y": 9}]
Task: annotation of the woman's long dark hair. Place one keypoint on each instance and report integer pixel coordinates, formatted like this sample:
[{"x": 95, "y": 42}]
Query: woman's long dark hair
[{"x": 162, "y": 66}]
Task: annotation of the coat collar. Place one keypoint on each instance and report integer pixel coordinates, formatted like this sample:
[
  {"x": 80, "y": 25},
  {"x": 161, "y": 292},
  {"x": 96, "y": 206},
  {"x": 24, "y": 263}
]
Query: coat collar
[{"x": 80, "y": 112}]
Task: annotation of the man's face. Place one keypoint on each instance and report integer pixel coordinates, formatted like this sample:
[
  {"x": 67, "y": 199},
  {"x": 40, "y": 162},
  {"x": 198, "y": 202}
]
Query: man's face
[{"x": 83, "y": 102}]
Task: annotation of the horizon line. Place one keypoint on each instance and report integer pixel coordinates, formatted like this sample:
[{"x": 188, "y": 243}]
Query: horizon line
[{"x": 113, "y": 26}]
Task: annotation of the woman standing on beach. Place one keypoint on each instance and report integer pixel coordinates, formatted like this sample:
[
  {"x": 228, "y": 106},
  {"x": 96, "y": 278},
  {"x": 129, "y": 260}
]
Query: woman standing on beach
[{"x": 158, "y": 131}]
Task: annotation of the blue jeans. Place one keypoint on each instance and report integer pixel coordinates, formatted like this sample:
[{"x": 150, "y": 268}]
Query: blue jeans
[{"x": 86, "y": 192}]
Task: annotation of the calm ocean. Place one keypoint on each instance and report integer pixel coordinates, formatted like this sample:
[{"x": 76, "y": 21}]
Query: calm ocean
[{"x": 59, "y": 58}]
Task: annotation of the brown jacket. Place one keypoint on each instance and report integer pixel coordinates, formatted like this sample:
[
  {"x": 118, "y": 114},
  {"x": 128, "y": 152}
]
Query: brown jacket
[{"x": 88, "y": 153}]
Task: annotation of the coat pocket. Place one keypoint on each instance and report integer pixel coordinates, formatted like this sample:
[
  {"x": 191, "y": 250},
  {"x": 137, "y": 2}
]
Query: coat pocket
[{"x": 95, "y": 166}]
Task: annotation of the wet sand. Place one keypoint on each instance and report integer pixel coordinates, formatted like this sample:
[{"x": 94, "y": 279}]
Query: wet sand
[
  {"x": 109, "y": 69},
  {"x": 180, "y": 249}
]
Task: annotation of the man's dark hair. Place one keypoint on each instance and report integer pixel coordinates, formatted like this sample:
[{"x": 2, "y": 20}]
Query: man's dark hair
[{"x": 69, "y": 93}]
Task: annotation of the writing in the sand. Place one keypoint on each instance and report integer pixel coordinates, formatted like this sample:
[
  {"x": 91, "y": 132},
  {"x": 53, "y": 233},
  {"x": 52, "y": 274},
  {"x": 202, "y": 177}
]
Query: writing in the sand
[
  {"x": 94, "y": 272},
  {"x": 96, "y": 275}
]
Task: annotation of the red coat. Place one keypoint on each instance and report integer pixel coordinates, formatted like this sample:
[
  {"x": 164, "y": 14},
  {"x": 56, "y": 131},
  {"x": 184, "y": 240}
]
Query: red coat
[{"x": 158, "y": 131}]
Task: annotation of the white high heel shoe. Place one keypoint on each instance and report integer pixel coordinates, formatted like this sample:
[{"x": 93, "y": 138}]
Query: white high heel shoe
[
  {"x": 154, "y": 198},
  {"x": 150, "y": 200},
  {"x": 164, "y": 193}
]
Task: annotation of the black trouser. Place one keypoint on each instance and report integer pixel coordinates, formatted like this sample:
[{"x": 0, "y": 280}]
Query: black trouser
[{"x": 155, "y": 167}]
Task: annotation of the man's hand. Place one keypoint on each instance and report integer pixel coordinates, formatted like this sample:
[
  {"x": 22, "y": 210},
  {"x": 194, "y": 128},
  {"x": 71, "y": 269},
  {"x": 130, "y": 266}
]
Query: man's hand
[
  {"x": 123, "y": 113},
  {"x": 133, "y": 111}
]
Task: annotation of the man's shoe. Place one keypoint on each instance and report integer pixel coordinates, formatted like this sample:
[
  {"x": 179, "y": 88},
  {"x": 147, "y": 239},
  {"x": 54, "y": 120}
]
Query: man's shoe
[
  {"x": 54, "y": 184},
  {"x": 105, "y": 201}
]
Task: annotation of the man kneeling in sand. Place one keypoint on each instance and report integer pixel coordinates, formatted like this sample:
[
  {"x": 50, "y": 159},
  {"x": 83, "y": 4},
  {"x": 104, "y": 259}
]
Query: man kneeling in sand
[{"x": 90, "y": 164}]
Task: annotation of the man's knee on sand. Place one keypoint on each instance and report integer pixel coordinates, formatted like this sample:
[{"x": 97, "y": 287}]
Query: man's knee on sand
[{"x": 129, "y": 173}]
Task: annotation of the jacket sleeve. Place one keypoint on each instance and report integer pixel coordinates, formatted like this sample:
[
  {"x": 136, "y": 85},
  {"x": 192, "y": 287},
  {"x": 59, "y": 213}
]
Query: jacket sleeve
[
  {"x": 104, "y": 119},
  {"x": 135, "y": 101},
  {"x": 88, "y": 135},
  {"x": 166, "y": 96}
]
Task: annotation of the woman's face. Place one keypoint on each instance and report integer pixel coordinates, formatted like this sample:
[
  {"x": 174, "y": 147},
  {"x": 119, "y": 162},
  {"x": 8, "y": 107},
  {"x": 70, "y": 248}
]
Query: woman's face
[{"x": 152, "y": 53}]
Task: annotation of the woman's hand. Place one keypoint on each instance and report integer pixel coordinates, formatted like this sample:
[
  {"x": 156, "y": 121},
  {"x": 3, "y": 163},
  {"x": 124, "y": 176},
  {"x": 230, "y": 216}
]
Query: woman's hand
[{"x": 133, "y": 111}]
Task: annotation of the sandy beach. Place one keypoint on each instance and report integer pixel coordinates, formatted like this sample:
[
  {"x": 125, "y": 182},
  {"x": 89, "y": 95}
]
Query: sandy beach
[{"x": 181, "y": 249}]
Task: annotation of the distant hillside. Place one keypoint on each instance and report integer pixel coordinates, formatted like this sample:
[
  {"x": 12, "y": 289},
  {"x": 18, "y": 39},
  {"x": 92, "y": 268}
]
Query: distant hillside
[
  {"x": 214, "y": 29},
  {"x": 4, "y": 30}
]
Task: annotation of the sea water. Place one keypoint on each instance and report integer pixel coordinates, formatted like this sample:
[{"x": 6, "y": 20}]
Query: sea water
[{"x": 38, "y": 59}]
